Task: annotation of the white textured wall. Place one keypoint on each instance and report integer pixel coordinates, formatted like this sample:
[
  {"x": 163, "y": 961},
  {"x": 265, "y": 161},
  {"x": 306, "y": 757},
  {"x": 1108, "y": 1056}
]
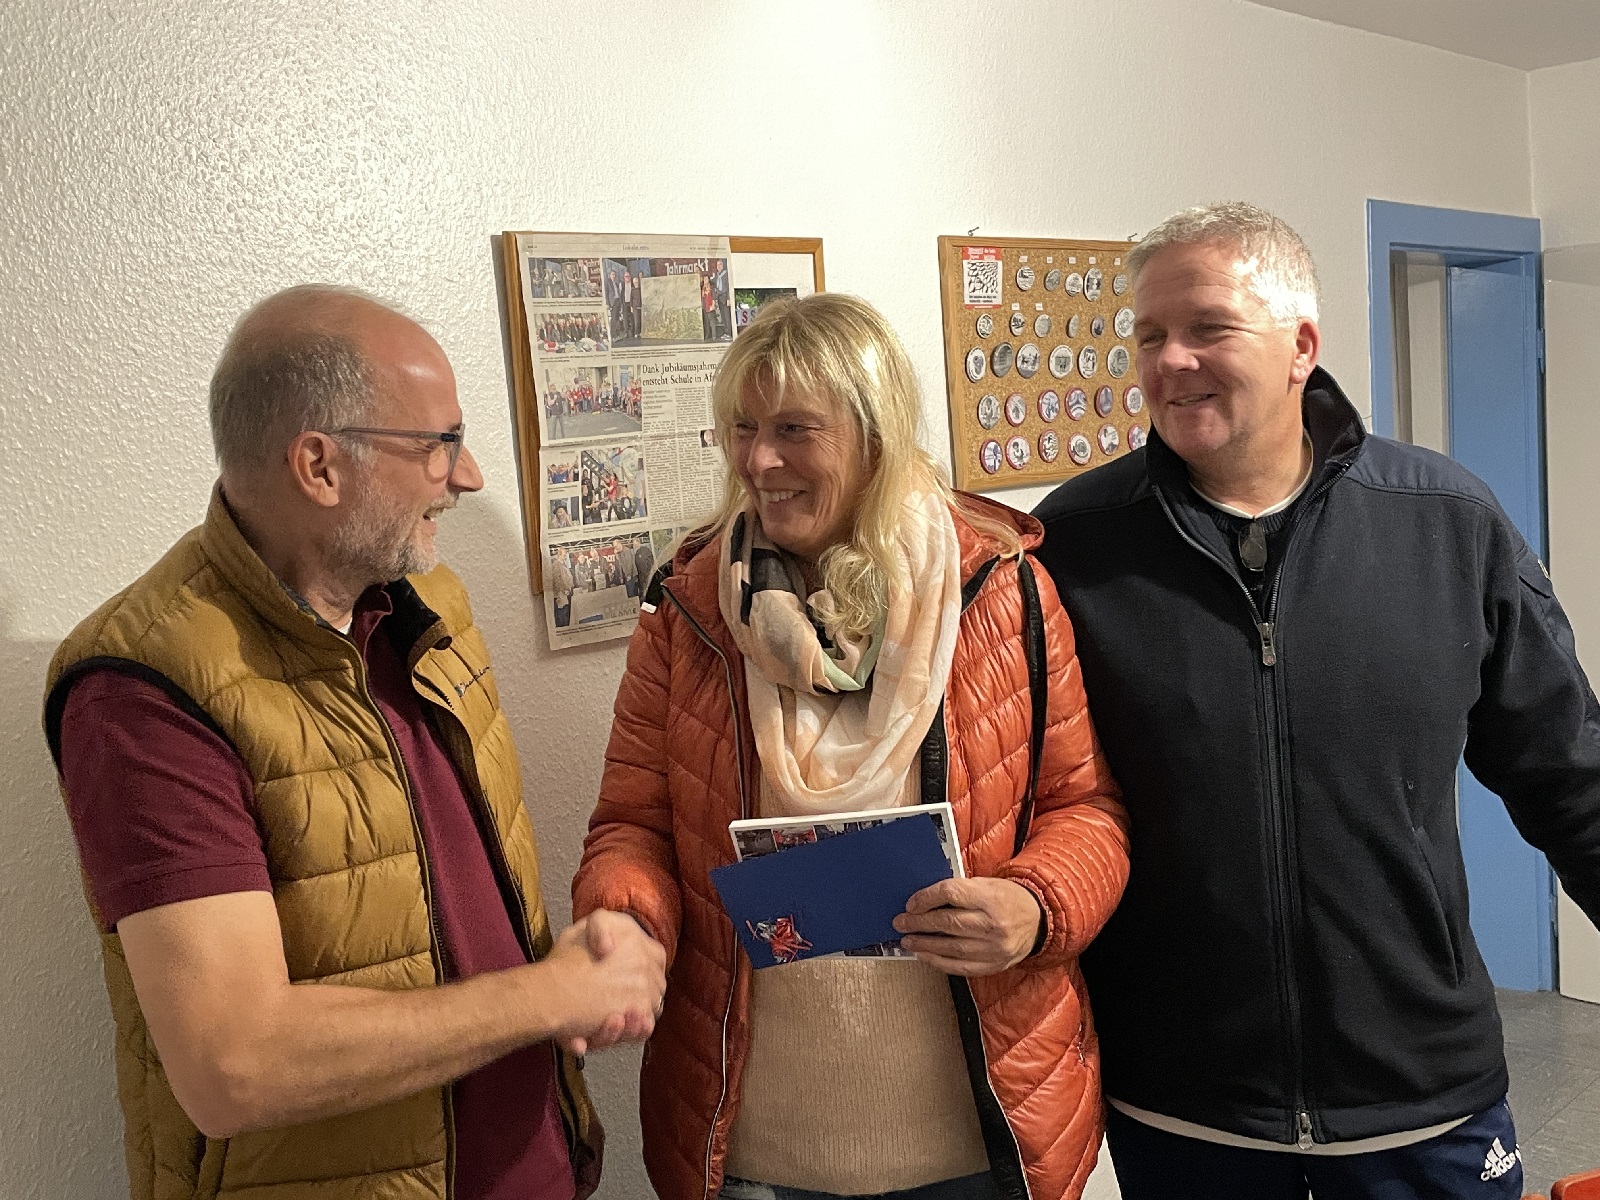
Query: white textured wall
[
  {"x": 164, "y": 163},
  {"x": 1564, "y": 120}
]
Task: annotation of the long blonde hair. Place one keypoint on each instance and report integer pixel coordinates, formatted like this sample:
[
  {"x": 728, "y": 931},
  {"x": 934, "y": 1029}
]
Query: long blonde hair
[{"x": 838, "y": 347}]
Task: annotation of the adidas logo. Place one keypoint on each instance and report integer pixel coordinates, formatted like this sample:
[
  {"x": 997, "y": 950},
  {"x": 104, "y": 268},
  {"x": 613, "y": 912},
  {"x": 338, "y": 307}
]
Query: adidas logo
[{"x": 1499, "y": 1160}]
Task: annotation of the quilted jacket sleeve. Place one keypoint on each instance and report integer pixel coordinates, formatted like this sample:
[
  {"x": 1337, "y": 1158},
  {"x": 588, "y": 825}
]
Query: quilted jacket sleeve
[
  {"x": 629, "y": 864},
  {"x": 1075, "y": 860}
]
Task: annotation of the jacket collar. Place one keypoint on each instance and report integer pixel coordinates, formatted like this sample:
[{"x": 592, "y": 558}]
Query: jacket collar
[
  {"x": 1337, "y": 437},
  {"x": 285, "y": 609}
]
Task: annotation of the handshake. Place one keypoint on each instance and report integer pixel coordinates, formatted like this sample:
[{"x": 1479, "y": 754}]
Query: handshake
[{"x": 610, "y": 979}]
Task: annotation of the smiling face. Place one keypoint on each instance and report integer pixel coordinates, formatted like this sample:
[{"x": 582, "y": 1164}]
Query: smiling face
[
  {"x": 1222, "y": 378},
  {"x": 801, "y": 460},
  {"x": 393, "y": 518}
]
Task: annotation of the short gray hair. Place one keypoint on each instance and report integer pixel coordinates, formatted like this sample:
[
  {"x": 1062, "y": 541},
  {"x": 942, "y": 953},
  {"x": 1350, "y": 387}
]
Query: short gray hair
[
  {"x": 1278, "y": 265},
  {"x": 289, "y": 365}
]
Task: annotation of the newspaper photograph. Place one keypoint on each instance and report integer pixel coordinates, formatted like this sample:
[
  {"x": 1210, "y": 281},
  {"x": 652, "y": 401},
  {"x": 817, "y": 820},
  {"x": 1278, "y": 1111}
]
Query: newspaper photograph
[
  {"x": 761, "y": 836},
  {"x": 625, "y": 334}
]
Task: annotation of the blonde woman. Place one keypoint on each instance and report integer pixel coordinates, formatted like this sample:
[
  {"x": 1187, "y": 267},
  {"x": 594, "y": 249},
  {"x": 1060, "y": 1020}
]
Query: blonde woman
[{"x": 847, "y": 633}]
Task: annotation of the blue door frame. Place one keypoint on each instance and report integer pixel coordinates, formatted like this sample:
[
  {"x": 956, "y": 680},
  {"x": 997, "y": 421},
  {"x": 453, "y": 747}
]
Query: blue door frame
[{"x": 1496, "y": 422}]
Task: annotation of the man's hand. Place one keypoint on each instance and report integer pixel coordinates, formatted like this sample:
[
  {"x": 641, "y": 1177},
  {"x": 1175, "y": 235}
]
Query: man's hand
[
  {"x": 616, "y": 973},
  {"x": 245, "y": 1049},
  {"x": 971, "y": 926}
]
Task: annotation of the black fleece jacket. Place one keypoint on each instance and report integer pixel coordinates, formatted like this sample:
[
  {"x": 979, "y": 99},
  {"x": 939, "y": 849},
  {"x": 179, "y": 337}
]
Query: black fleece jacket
[{"x": 1293, "y": 952}]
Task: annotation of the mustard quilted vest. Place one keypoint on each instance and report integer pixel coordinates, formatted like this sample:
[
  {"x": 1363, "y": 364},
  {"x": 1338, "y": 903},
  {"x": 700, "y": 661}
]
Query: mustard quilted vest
[{"x": 210, "y": 621}]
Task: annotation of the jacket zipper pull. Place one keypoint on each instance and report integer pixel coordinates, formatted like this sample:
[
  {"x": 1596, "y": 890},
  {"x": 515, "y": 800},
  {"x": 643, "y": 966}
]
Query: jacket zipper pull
[
  {"x": 1303, "y": 1120},
  {"x": 1269, "y": 647}
]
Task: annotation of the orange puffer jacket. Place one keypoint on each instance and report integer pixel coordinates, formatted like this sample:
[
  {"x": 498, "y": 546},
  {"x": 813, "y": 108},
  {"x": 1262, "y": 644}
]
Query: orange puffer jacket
[{"x": 681, "y": 765}]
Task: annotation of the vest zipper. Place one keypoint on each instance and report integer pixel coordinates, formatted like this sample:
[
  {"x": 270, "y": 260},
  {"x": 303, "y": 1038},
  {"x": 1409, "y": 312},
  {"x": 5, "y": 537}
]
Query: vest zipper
[
  {"x": 494, "y": 845},
  {"x": 1285, "y": 875},
  {"x": 744, "y": 812},
  {"x": 435, "y": 938}
]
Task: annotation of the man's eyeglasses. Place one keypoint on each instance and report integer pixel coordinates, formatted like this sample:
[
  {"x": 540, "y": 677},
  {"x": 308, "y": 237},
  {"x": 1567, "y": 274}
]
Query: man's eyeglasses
[{"x": 451, "y": 439}]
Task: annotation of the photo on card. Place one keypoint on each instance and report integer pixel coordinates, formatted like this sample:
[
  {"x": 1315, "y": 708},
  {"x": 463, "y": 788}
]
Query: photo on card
[
  {"x": 667, "y": 301},
  {"x": 747, "y": 302},
  {"x": 589, "y": 402},
  {"x": 569, "y": 332},
  {"x": 594, "y": 580},
  {"x": 563, "y": 278},
  {"x": 563, "y": 513},
  {"x": 612, "y": 484}
]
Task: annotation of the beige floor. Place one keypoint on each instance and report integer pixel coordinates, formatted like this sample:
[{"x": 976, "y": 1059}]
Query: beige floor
[{"x": 1103, "y": 1183}]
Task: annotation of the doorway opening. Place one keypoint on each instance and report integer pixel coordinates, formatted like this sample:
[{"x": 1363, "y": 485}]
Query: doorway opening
[{"x": 1457, "y": 366}]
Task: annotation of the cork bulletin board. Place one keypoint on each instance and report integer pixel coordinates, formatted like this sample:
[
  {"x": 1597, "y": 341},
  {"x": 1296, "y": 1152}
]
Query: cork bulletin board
[{"x": 1039, "y": 358}]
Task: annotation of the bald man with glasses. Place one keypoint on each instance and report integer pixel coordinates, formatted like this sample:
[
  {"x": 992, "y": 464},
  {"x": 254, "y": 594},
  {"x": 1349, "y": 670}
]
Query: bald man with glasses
[{"x": 300, "y": 820}]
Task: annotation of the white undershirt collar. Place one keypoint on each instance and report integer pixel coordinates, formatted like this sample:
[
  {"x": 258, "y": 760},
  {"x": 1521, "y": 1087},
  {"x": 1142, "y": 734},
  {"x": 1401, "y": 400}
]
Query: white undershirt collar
[{"x": 1234, "y": 511}]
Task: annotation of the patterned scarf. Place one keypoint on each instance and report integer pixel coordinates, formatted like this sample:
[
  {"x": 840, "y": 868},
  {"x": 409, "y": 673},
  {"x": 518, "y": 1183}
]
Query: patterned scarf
[{"x": 839, "y": 720}]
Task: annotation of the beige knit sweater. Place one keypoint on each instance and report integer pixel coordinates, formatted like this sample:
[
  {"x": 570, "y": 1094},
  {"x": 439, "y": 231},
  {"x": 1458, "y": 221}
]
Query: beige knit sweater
[{"x": 855, "y": 1082}]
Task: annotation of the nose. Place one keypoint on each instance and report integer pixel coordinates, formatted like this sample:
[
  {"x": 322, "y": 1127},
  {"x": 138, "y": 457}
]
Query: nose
[
  {"x": 1175, "y": 355},
  {"x": 466, "y": 477},
  {"x": 763, "y": 454}
]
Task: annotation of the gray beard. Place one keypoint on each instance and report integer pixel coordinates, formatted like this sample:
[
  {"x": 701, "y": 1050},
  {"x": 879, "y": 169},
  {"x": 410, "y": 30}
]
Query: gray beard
[{"x": 377, "y": 544}]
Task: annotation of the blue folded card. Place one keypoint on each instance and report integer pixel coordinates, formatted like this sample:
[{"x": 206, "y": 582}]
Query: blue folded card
[{"x": 840, "y": 893}]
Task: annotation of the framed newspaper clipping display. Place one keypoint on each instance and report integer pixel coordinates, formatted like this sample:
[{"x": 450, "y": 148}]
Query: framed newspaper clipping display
[
  {"x": 615, "y": 342},
  {"x": 1039, "y": 358}
]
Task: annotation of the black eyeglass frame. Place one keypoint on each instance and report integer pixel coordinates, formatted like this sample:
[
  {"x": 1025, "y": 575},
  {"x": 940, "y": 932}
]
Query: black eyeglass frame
[{"x": 454, "y": 439}]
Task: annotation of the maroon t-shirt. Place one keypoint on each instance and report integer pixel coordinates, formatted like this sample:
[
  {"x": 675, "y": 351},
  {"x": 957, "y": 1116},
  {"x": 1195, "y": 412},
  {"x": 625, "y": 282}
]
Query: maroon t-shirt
[{"x": 164, "y": 811}]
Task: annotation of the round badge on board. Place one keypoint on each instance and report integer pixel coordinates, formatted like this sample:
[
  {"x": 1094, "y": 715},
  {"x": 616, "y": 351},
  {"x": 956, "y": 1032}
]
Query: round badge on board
[
  {"x": 1049, "y": 445},
  {"x": 1041, "y": 325},
  {"x": 1109, "y": 439},
  {"x": 1097, "y": 327},
  {"x": 989, "y": 456},
  {"x": 1077, "y": 404},
  {"x": 975, "y": 363},
  {"x": 1016, "y": 408},
  {"x": 1000, "y": 361},
  {"x": 1119, "y": 284},
  {"x": 1049, "y": 405},
  {"x": 1061, "y": 361},
  {"x": 1104, "y": 401},
  {"x": 989, "y": 411},
  {"x": 985, "y": 325},
  {"x": 1136, "y": 438},
  {"x": 1018, "y": 323},
  {"x": 1028, "y": 360},
  {"x": 1117, "y": 361},
  {"x": 1078, "y": 449},
  {"x": 1052, "y": 279},
  {"x": 1088, "y": 360},
  {"x": 1018, "y": 453},
  {"x": 1024, "y": 278},
  {"x": 1093, "y": 281},
  {"x": 1073, "y": 284},
  {"x": 1123, "y": 322},
  {"x": 1074, "y": 323},
  {"x": 1133, "y": 400}
]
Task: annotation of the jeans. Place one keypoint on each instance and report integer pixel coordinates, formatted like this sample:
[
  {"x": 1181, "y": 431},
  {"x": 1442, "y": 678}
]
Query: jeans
[
  {"x": 1477, "y": 1160},
  {"x": 971, "y": 1187}
]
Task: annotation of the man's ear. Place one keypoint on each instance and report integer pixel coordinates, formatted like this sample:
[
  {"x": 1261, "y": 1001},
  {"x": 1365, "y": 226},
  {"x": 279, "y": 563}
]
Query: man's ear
[
  {"x": 1307, "y": 349},
  {"x": 319, "y": 469}
]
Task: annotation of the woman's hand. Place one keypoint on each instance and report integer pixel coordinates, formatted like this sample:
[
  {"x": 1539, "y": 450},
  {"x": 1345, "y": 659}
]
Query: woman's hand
[{"x": 971, "y": 926}]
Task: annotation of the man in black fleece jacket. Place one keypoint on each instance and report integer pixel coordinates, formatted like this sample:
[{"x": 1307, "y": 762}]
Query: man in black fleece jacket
[{"x": 1290, "y": 631}]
